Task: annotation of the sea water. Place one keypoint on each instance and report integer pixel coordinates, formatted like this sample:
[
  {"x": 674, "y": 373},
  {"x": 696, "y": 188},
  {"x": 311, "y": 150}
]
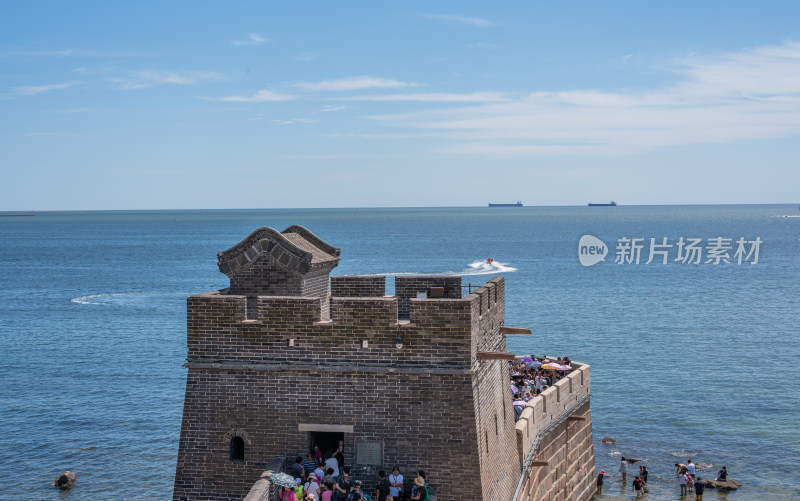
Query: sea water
[{"x": 695, "y": 361}]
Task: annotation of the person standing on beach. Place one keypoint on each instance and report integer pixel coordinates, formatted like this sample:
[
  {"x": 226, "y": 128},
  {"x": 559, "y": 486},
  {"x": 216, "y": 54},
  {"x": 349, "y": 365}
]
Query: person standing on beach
[
  {"x": 623, "y": 468},
  {"x": 638, "y": 487},
  {"x": 600, "y": 480},
  {"x": 684, "y": 483},
  {"x": 690, "y": 467},
  {"x": 699, "y": 487}
]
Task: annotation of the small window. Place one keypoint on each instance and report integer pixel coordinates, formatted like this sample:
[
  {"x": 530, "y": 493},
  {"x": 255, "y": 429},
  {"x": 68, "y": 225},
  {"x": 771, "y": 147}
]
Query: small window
[{"x": 237, "y": 449}]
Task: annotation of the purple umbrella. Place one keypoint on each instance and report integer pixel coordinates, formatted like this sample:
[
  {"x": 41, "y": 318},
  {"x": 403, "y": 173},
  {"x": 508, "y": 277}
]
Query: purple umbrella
[{"x": 526, "y": 360}]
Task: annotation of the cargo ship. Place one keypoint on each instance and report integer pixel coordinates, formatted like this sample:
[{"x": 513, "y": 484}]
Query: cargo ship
[
  {"x": 611, "y": 204},
  {"x": 518, "y": 204}
]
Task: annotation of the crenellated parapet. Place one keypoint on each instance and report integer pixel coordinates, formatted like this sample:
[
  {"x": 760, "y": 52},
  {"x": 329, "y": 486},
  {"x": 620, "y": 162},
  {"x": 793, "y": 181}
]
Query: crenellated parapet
[{"x": 439, "y": 333}]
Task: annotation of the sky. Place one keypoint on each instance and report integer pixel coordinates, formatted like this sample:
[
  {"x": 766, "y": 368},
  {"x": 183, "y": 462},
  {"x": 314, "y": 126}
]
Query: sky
[{"x": 193, "y": 105}]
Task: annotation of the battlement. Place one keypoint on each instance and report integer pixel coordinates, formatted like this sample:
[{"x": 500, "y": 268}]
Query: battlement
[{"x": 438, "y": 332}]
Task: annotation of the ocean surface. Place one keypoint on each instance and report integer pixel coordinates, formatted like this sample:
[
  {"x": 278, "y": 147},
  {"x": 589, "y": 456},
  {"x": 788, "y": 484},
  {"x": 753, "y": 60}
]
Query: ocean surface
[{"x": 697, "y": 361}]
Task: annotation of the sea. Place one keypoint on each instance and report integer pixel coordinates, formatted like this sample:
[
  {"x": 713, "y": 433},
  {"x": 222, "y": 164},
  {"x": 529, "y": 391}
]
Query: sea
[{"x": 696, "y": 358}]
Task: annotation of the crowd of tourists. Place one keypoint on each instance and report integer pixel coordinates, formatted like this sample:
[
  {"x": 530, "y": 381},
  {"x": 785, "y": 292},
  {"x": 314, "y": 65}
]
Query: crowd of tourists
[
  {"x": 687, "y": 474},
  {"x": 531, "y": 375},
  {"x": 326, "y": 478}
]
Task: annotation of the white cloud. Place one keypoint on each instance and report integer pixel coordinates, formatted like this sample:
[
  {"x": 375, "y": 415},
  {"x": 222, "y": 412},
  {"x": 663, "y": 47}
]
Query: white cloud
[
  {"x": 330, "y": 108},
  {"x": 55, "y": 134},
  {"x": 472, "y": 21},
  {"x": 252, "y": 39},
  {"x": 296, "y": 121},
  {"x": 260, "y": 96},
  {"x": 32, "y": 90},
  {"x": 434, "y": 97},
  {"x": 306, "y": 56},
  {"x": 354, "y": 83},
  {"x": 148, "y": 78},
  {"x": 722, "y": 98}
]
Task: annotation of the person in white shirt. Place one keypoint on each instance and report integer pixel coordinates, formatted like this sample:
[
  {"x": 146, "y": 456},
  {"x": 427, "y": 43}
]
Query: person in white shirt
[
  {"x": 690, "y": 468},
  {"x": 623, "y": 469},
  {"x": 332, "y": 463},
  {"x": 396, "y": 484}
]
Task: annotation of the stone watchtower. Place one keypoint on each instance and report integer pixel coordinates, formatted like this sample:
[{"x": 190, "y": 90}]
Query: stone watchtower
[{"x": 418, "y": 380}]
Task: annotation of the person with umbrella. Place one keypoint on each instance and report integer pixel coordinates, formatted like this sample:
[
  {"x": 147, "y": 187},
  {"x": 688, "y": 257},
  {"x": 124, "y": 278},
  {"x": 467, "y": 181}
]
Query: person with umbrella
[{"x": 286, "y": 483}]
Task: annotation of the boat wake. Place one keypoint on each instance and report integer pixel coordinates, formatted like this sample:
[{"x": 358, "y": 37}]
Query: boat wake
[
  {"x": 484, "y": 267},
  {"x": 127, "y": 298}
]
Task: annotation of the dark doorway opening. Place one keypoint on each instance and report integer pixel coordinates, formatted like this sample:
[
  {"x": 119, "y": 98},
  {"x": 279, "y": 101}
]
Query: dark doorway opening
[
  {"x": 327, "y": 442},
  {"x": 237, "y": 449}
]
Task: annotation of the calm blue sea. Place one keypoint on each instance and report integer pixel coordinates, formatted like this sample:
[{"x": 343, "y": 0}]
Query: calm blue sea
[{"x": 696, "y": 361}]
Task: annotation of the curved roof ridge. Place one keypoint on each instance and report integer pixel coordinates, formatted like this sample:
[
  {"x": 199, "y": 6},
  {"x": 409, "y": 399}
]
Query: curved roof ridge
[
  {"x": 285, "y": 252},
  {"x": 314, "y": 239}
]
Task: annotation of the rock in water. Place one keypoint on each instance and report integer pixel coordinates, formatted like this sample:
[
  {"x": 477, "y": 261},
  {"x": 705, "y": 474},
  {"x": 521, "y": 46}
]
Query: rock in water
[
  {"x": 723, "y": 485},
  {"x": 65, "y": 480},
  {"x": 609, "y": 440}
]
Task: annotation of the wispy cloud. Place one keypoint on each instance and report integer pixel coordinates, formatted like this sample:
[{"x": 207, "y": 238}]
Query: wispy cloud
[
  {"x": 330, "y": 108},
  {"x": 306, "y": 56},
  {"x": 482, "y": 45},
  {"x": 143, "y": 79},
  {"x": 435, "y": 97},
  {"x": 354, "y": 83},
  {"x": 32, "y": 90},
  {"x": 261, "y": 96},
  {"x": 296, "y": 121},
  {"x": 55, "y": 134},
  {"x": 252, "y": 39},
  {"x": 471, "y": 21},
  {"x": 720, "y": 98}
]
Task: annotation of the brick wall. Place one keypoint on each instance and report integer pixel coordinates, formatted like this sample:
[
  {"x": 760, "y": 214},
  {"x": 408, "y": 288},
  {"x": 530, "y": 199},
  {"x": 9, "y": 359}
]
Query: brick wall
[
  {"x": 406, "y": 288},
  {"x": 430, "y": 405},
  {"x": 358, "y": 286},
  {"x": 564, "y": 428},
  {"x": 244, "y": 375}
]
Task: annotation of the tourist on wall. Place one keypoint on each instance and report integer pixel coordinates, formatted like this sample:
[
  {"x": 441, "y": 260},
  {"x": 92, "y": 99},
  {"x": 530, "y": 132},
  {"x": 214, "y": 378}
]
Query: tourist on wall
[
  {"x": 298, "y": 488},
  {"x": 342, "y": 486},
  {"x": 332, "y": 463},
  {"x": 328, "y": 478},
  {"x": 383, "y": 486},
  {"x": 396, "y": 484},
  {"x": 355, "y": 493},
  {"x": 287, "y": 494},
  {"x": 309, "y": 465},
  {"x": 419, "y": 492},
  {"x": 312, "y": 486},
  {"x": 320, "y": 473},
  {"x": 317, "y": 454},
  {"x": 327, "y": 492},
  {"x": 297, "y": 468}
]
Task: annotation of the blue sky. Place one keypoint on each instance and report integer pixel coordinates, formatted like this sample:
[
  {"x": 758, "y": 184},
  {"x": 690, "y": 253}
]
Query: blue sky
[{"x": 149, "y": 105}]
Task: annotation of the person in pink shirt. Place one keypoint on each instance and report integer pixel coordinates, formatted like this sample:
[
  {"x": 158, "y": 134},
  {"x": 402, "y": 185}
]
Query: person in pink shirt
[
  {"x": 327, "y": 493},
  {"x": 287, "y": 494}
]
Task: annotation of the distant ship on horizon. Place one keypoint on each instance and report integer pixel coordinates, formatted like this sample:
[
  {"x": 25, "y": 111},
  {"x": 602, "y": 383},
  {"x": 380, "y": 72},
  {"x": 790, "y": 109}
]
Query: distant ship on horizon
[
  {"x": 611, "y": 204},
  {"x": 518, "y": 204}
]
